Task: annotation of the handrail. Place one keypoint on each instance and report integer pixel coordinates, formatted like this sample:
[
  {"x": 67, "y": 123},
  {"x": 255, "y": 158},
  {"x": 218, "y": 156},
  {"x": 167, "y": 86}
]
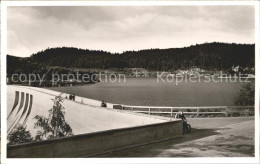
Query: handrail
[
  {"x": 226, "y": 110},
  {"x": 199, "y": 107},
  {"x": 165, "y": 107}
]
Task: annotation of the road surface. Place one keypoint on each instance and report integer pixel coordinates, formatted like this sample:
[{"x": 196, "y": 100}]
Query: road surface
[{"x": 210, "y": 137}]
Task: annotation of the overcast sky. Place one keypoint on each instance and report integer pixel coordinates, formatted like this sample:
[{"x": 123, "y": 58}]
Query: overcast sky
[{"x": 117, "y": 29}]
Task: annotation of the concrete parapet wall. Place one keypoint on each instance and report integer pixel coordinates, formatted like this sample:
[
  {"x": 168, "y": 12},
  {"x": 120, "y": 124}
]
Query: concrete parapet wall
[{"x": 92, "y": 144}]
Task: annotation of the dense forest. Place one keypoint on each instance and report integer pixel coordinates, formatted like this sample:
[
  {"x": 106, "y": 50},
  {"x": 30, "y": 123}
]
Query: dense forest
[
  {"x": 209, "y": 56},
  {"x": 44, "y": 74}
]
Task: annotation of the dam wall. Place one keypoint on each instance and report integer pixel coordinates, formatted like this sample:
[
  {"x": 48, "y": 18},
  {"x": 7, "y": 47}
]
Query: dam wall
[
  {"x": 93, "y": 144},
  {"x": 24, "y": 103},
  {"x": 96, "y": 130}
]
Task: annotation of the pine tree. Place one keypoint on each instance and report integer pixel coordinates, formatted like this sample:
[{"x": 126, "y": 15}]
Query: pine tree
[{"x": 55, "y": 125}]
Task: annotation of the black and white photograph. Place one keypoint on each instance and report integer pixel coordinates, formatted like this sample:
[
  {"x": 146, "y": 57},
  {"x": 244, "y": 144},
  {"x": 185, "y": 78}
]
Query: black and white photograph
[{"x": 120, "y": 81}]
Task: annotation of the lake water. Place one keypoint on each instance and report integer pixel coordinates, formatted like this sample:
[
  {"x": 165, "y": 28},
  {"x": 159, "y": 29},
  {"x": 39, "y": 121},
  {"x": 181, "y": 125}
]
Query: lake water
[{"x": 147, "y": 91}]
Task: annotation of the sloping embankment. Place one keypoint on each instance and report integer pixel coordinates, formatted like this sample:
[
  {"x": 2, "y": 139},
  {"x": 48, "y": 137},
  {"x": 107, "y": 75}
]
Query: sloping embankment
[
  {"x": 81, "y": 117},
  {"x": 96, "y": 129}
]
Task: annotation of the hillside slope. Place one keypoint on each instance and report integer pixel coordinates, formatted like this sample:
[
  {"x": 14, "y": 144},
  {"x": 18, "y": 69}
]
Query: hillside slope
[{"x": 207, "y": 56}]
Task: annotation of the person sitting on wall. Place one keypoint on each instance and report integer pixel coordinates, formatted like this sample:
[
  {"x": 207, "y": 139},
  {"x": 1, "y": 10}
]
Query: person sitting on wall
[
  {"x": 181, "y": 116},
  {"x": 103, "y": 104}
]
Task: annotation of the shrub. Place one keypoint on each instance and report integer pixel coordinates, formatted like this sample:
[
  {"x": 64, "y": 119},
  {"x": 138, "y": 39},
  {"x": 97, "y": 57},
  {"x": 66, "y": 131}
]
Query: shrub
[
  {"x": 19, "y": 135},
  {"x": 246, "y": 95}
]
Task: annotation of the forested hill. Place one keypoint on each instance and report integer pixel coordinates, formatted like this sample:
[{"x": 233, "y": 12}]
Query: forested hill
[{"x": 219, "y": 56}]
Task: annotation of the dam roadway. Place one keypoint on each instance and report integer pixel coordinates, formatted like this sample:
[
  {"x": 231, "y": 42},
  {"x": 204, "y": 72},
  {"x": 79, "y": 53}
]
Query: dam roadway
[{"x": 210, "y": 137}]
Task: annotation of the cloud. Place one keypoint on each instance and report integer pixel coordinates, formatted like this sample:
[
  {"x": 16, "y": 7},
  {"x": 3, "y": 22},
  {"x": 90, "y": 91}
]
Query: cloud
[{"x": 117, "y": 29}]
